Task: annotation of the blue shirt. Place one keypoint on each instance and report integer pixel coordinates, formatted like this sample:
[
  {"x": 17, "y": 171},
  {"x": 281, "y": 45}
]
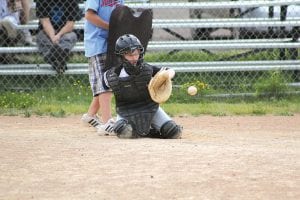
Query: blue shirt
[{"x": 95, "y": 38}]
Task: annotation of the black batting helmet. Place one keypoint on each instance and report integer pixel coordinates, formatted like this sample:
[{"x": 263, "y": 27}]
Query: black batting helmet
[{"x": 128, "y": 43}]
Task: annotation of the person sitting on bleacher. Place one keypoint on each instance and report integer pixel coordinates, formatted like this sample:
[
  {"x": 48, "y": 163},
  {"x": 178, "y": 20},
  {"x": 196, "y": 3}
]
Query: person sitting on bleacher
[
  {"x": 12, "y": 13},
  {"x": 56, "y": 36},
  {"x": 24, "y": 18}
]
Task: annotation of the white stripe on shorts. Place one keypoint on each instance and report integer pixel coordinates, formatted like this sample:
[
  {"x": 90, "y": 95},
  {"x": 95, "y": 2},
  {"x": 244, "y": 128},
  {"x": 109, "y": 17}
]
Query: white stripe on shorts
[{"x": 96, "y": 66}]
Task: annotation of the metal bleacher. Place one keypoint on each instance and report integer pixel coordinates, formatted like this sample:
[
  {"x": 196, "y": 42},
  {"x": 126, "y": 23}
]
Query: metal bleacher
[{"x": 234, "y": 43}]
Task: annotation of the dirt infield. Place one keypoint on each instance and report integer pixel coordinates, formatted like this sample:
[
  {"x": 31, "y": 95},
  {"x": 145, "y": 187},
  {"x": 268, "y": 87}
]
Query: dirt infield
[{"x": 251, "y": 157}]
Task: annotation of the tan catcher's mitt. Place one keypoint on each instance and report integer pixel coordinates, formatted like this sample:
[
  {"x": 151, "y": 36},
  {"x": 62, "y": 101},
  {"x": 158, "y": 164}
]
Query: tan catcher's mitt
[{"x": 160, "y": 86}]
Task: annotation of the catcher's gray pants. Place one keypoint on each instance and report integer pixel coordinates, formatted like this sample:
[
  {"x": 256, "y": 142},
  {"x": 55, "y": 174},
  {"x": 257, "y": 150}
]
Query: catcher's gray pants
[
  {"x": 67, "y": 42},
  {"x": 159, "y": 119}
]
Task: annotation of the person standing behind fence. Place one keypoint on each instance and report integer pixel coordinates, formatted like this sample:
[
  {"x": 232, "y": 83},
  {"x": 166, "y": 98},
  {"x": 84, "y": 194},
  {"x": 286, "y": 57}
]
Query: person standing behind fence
[
  {"x": 97, "y": 14},
  {"x": 11, "y": 11},
  {"x": 56, "y": 37}
]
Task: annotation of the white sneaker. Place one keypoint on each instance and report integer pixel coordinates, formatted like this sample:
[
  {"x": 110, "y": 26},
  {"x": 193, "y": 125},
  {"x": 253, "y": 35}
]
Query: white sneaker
[
  {"x": 90, "y": 121},
  {"x": 28, "y": 38},
  {"x": 107, "y": 129}
]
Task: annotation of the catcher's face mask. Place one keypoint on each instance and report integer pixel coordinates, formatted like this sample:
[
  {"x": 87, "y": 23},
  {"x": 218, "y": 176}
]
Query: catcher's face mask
[
  {"x": 132, "y": 56},
  {"x": 132, "y": 61}
]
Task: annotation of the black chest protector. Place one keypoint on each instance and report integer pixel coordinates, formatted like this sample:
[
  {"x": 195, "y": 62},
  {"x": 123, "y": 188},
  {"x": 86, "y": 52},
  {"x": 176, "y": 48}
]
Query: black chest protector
[
  {"x": 131, "y": 91},
  {"x": 132, "y": 98}
]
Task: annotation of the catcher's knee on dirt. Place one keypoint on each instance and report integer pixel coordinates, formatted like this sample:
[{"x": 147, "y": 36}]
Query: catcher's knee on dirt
[
  {"x": 170, "y": 130},
  {"x": 123, "y": 129}
]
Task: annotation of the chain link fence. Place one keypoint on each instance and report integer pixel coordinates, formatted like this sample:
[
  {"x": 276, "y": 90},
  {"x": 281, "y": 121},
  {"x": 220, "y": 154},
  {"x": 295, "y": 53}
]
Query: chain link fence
[{"x": 224, "y": 49}]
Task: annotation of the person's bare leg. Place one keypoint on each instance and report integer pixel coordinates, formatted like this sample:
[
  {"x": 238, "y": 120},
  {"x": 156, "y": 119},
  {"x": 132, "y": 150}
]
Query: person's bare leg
[
  {"x": 105, "y": 108},
  {"x": 94, "y": 106}
]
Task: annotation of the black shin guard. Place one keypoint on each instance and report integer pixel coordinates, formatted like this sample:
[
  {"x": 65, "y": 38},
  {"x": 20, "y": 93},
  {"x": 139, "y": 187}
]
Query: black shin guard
[
  {"x": 170, "y": 130},
  {"x": 123, "y": 129}
]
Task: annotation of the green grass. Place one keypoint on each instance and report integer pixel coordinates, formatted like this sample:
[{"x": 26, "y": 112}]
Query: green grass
[
  {"x": 285, "y": 107},
  {"x": 191, "y": 56},
  {"x": 71, "y": 95}
]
